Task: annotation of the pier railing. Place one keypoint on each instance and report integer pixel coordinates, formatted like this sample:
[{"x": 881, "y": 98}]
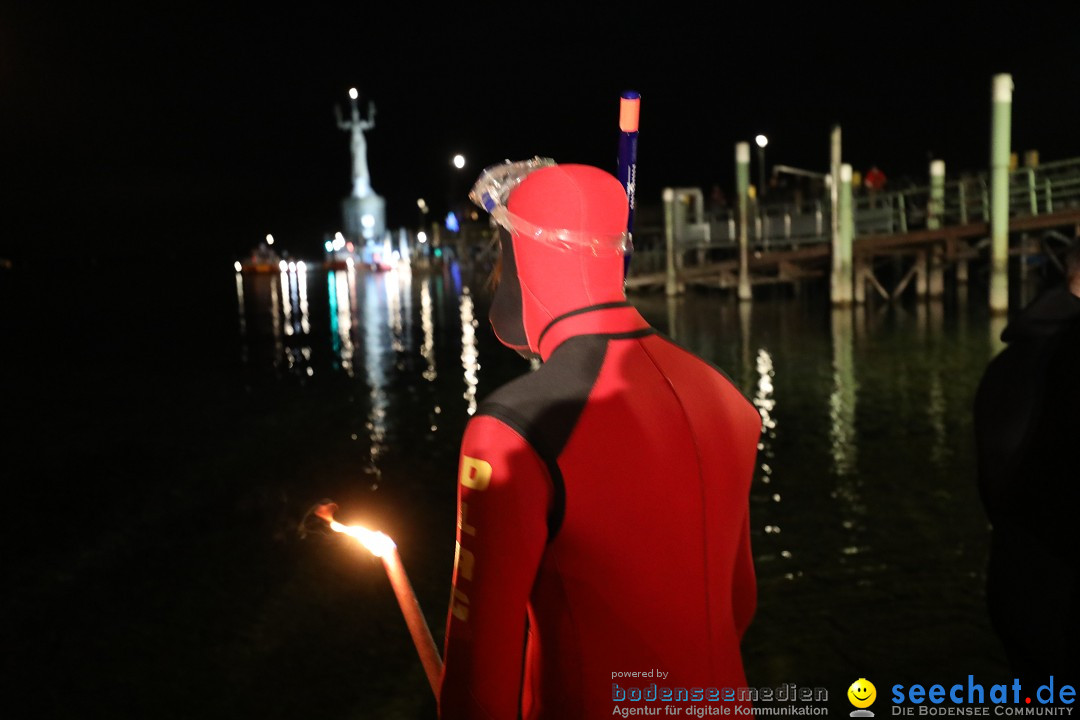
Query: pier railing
[{"x": 1042, "y": 190}]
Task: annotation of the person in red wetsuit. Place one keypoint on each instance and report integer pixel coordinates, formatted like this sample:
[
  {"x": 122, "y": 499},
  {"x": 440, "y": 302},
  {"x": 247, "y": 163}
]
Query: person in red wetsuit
[{"x": 603, "y": 523}]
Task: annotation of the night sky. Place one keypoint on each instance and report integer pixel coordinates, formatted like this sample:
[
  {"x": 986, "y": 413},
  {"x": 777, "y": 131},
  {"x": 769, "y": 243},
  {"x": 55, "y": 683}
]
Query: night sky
[{"x": 171, "y": 130}]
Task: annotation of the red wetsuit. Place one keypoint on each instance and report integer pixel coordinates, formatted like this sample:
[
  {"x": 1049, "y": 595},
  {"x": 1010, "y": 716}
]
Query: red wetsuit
[{"x": 603, "y": 500}]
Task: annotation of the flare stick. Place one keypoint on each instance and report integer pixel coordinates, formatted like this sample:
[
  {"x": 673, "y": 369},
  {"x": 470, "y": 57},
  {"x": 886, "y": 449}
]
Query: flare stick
[{"x": 381, "y": 546}]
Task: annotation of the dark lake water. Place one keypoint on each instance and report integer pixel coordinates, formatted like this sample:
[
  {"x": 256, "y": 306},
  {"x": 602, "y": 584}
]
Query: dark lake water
[{"x": 167, "y": 429}]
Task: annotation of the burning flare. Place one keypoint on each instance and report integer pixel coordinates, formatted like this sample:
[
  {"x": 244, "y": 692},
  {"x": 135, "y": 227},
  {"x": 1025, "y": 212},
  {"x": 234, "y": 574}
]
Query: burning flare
[
  {"x": 382, "y": 546},
  {"x": 378, "y": 544}
]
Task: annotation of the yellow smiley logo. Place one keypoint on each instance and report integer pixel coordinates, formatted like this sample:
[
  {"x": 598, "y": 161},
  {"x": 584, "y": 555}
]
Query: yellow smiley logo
[{"x": 862, "y": 693}]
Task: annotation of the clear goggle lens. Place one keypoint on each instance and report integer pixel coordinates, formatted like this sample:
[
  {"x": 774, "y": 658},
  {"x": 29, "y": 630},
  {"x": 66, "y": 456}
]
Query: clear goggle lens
[{"x": 492, "y": 191}]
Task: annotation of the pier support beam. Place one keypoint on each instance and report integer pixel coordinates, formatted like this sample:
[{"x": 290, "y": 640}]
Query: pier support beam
[
  {"x": 936, "y": 271},
  {"x": 742, "y": 189},
  {"x": 835, "y": 286},
  {"x": 861, "y": 268},
  {"x": 1000, "y": 145},
  {"x": 921, "y": 265},
  {"x": 934, "y": 219},
  {"x": 842, "y": 248},
  {"x": 962, "y": 263},
  {"x": 671, "y": 283}
]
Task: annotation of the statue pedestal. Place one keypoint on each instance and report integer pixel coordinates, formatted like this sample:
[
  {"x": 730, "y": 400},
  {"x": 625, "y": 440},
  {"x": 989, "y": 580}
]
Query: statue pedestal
[{"x": 364, "y": 217}]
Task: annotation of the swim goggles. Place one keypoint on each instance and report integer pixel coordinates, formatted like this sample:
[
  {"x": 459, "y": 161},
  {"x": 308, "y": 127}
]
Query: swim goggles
[{"x": 492, "y": 192}]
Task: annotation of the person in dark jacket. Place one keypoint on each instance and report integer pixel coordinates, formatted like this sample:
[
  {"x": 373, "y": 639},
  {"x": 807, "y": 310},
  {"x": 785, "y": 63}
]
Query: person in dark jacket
[{"x": 1027, "y": 426}]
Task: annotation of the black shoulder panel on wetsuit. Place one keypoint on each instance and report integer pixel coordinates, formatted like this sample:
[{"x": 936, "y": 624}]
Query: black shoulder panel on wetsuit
[{"x": 544, "y": 406}]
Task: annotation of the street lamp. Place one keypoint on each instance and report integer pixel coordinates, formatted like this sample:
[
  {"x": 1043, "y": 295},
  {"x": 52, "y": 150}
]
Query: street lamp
[
  {"x": 459, "y": 161},
  {"x": 761, "y": 141}
]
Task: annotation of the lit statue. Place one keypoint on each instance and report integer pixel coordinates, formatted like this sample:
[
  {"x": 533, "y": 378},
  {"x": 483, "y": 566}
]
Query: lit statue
[{"x": 361, "y": 179}]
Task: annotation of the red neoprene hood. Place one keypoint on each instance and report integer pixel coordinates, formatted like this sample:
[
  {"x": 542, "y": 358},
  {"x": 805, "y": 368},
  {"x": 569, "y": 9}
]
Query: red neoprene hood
[{"x": 542, "y": 280}]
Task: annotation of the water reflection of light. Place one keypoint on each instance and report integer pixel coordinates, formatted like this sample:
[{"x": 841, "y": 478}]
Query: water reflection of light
[
  {"x": 935, "y": 406},
  {"x": 242, "y": 308},
  {"x": 275, "y": 323},
  {"x": 766, "y": 404},
  {"x": 842, "y": 405},
  {"x": 842, "y": 399},
  {"x": 301, "y": 284},
  {"x": 393, "y": 309},
  {"x": 427, "y": 325},
  {"x": 341, "y": 317},
  {"x": 375, "y": 345},
  {"x": 469, "y": 355},
  {"x": 997, "y": 326},
  {"x": 286, "y": 296},
  {"x": 745, "y": 349},
  {"x": 293, "y": 283},
  {"x": 240, "y": 304},
  {"x": 935, "y": 409},
  {"x": 671, "y": 318},
  {"x": 405, "y": 326},
  {"x": 331, "y": 287},
  {"x": 455, "y": 275}
]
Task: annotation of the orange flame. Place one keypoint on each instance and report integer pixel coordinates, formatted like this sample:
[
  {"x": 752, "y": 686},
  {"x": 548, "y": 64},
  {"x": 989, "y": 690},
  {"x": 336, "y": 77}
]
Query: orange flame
[{"x": 377, "y": 543}]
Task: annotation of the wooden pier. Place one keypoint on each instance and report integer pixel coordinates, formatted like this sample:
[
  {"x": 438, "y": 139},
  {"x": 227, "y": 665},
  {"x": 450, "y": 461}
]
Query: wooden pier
[{"x": 923, "y": 232}]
